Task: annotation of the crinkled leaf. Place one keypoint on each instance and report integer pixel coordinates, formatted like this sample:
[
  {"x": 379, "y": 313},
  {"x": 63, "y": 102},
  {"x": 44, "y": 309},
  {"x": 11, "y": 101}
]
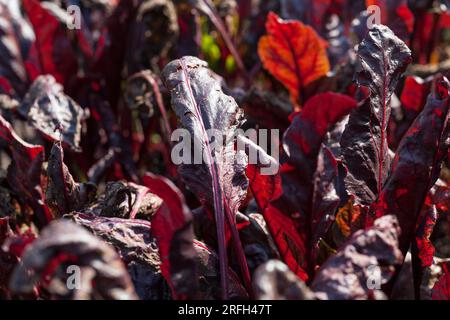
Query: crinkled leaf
[
  {"x": 136, "y": 246},
  {"x": 274, "y": 281},
  {"x": 382, "y": 60},
  {"x": 368, "y": 255},
  {"x": 220, "y": 180},
  {"x": 126, "y": 200},
  {"x": 133, "y": 239},
  {"x": 293, "y": 53},
  {"x": 201, "y": 105},
  {"x": 416, "y": 165},
  {"x": 61, "y": 244},
  {"x": 52, "y": 112}
]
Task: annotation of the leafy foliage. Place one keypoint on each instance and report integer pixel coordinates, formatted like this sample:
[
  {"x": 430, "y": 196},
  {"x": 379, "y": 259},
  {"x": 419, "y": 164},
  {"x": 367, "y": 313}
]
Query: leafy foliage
[{"x": 356, "y": 208}]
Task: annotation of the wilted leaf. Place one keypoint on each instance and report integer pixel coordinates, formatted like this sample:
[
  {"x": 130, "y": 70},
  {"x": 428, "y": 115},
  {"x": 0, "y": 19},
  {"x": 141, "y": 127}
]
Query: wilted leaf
[
  {"x": 136, "y": 246},
  {"x": 62, "y": 244},
  {"x": 52, "y": 112},
  {"x": 293, "y": 53}
]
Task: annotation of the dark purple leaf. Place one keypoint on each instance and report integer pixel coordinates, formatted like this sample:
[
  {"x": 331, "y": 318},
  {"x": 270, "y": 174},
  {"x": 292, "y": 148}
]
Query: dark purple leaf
[
  {"x": 63, "y": 194},
  {"x": 293, "y": 210},
  {"x": 369, "y": 257},
  {"x": 63, "y": 244},
  {"x": 382, "y": 60},
  {"x": 416, "y": 165},
  {"x": 126, "y": 200},
  {"x": 266, "y": 110},
  {"x": 136, "y": 246},
  {"x": 220, "y": 180},
  {"x": 52, "y": 112}
]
